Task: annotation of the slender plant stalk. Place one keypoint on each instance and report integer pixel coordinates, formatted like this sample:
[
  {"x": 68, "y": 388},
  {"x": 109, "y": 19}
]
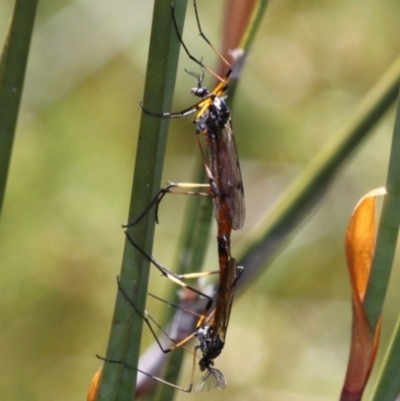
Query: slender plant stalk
[
  {"x": 254, "y": 24},
  {"x": 388, "y": 384},
  {"x": 246, "y": 43},
  {"x": 388, "y": 387},
  {"x": 12, "y": 73},
  {"x": 387, "y": 234},
  {"x": 124, "y": 342}
]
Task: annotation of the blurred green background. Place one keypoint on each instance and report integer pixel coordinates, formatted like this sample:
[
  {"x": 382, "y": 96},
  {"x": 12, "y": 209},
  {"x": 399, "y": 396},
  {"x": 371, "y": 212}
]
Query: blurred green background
[{"x": 69, "y": 185}]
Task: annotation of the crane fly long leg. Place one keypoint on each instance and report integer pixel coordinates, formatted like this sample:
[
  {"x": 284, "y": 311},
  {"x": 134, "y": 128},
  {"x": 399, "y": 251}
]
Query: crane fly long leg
[
  {"x": 180, "y": 307},
  {"x": 157, "y": 379},
  {"x": 147, "y": 318},
  {"x": 176, "y": 278},
  {"x": 169, "y": 189},
  {"x": 179, "y": 114}
]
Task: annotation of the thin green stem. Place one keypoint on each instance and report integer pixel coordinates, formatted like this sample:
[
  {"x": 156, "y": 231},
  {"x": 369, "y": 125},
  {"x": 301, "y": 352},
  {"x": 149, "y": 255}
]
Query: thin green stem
[
  {"x": 387, "y": 234},
  {"x": 245, "y": 45},
  {"x": 253, "y": 25},
  {"x": 388, "y": 383},
  {"x": 388, "y": 387},
  {"x": 124, "y": 342},
  {"x": 12, "y": 73}
]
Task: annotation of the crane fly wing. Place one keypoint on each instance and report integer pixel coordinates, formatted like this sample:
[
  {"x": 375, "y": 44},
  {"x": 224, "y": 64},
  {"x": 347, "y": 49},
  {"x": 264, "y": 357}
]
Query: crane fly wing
[
  {"x": 226, "y": 293},
  {"x": 231, "y": 184}
]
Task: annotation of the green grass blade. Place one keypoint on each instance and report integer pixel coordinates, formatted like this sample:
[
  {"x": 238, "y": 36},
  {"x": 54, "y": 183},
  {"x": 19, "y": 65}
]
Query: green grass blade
[
  {"x": 254, "y": 24},
  {"x": 387, "y": 234},
  {"x": 388, "y": 384},
  {"x": 245, "y": 45},
  {"x": 117, "y": 383},
  {"x": 12, "y": 73}
]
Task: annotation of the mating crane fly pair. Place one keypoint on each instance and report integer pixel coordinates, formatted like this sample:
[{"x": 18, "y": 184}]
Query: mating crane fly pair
[{"x": 213, "y": 119}]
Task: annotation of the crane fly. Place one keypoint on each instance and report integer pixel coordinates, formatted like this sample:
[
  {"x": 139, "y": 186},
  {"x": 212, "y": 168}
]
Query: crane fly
[
  {"x": 213, "y": 119},
  {"x": 210, "y": 329}
]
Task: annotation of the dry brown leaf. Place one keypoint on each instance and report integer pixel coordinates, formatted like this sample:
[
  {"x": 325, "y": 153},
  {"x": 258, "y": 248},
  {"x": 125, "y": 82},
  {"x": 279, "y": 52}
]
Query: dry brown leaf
[{"x": 360, "y": 247}]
